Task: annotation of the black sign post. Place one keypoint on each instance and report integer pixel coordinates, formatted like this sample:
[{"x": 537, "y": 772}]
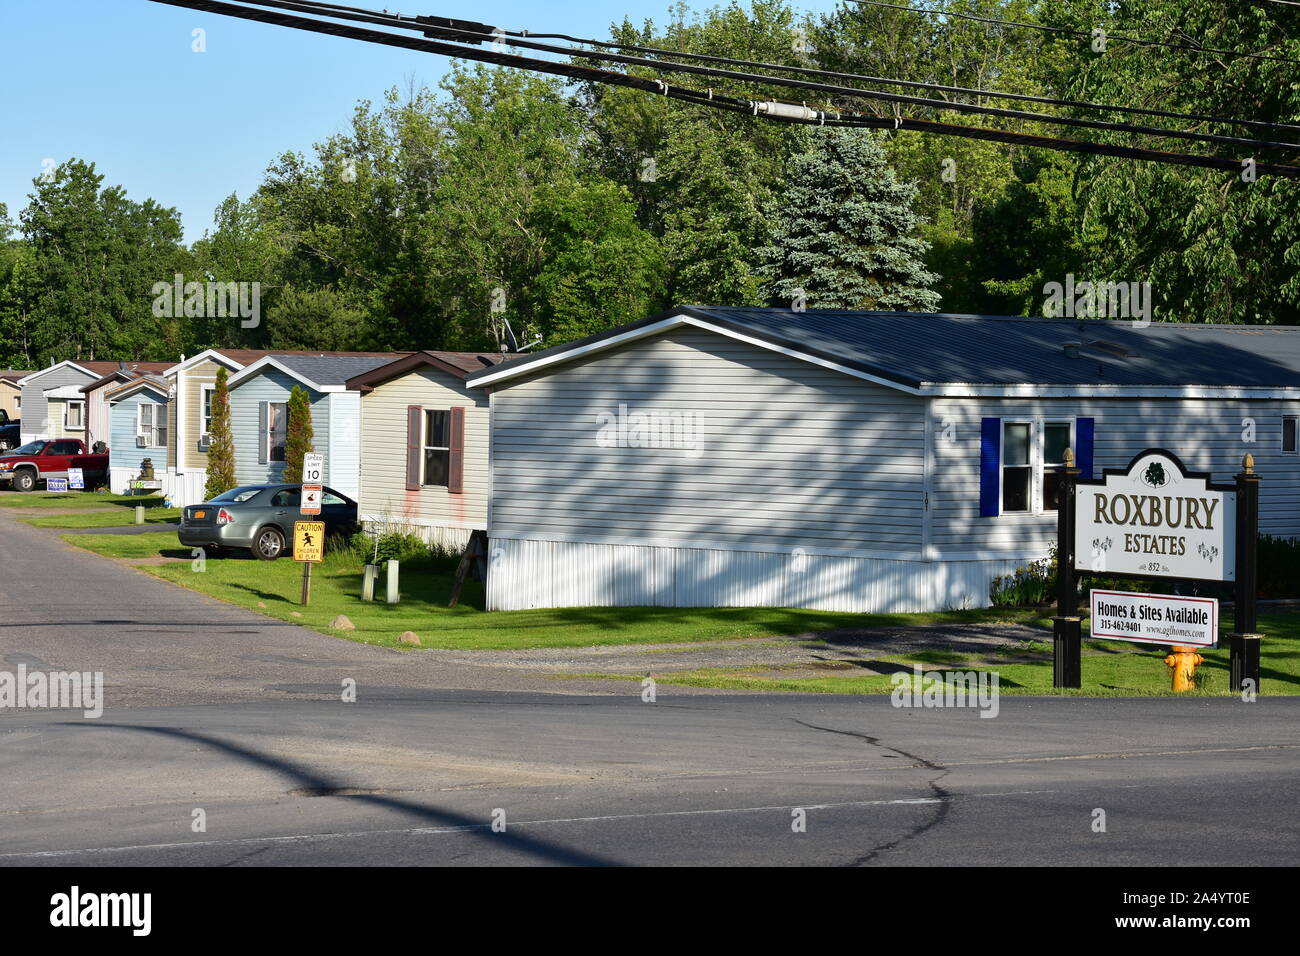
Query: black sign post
[
  {"x": 1245, "y": 640},
  {"x": 1067, "y": 625}
]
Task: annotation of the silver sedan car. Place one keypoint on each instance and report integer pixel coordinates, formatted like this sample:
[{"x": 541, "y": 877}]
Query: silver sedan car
[{"x": 260, "y": 519}]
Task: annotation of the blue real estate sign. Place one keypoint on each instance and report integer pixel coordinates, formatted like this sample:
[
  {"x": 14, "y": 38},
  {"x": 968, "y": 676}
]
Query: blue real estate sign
[
  {"x": 56, "y": 484},
  {"x": 76, "y": 479}
]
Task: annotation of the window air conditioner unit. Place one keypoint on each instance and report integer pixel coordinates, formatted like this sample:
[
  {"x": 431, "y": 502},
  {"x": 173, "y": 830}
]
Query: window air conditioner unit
[
  {"x": 205, "y": 442},
  {"x": 141, "y": 441}
]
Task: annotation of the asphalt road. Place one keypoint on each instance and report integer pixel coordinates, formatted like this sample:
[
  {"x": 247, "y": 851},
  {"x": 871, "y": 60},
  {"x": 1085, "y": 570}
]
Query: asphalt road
[{"x": 213, "y": 709}]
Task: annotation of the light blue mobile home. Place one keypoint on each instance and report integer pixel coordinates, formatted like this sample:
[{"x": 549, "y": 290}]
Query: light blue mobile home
[
  {"x": 138, "y": 417},
  {"x": 259, "y": 413}
]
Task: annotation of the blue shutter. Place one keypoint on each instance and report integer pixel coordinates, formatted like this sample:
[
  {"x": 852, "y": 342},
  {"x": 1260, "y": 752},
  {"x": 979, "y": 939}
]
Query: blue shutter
[
  {"x": 1084, "y": 431},
  {"x": 990, "y": 467},
  {"x": 263, "y": 419}
]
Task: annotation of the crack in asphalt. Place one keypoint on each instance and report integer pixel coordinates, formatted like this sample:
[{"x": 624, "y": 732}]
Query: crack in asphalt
[{"x": 943, "y": 795}]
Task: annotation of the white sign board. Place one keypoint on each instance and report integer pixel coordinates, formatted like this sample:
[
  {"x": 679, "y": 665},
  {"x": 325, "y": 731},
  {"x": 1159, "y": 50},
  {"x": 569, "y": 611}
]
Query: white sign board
[
  {"x": 76, "y": 479},
  {"x": 1155, "y": 618},
  {"x": 311, "y": 499},
  {"x": 313, "y": 469},
  {"x": 1156, "y": 519}
]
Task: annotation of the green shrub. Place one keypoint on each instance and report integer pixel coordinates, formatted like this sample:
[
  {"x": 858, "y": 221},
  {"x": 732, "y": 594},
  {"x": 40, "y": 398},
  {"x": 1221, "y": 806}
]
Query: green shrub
[
  {"x": 1033, "y": 584},
  {"x": 390, "y": 546},
  {"x": 1279, "y": 567}
]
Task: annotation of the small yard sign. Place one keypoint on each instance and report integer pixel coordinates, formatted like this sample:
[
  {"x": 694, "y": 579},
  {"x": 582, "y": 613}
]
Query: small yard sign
[
  {"x": 56, "y": 484},
  {"x": 309, "y": 541},
  {"x": 313, "y": 469},
  {"x": 1155, "y": 618},
  {"x": 76, "y": 479},
  {"x": 311, "y": 498}
]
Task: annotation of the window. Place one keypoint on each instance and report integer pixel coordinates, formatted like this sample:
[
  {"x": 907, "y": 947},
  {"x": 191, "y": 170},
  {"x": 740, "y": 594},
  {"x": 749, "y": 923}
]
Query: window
[
  {"x": 151, "y": 424},
  {"x": 277, "y": 430},
  {"x": 437, "y": 447},
  {"x": 64, "y": 448},
  {"x": 1017, "y": 470},
  {"x": 1291, "y": 434},
  {"x": 1056, "y": 438},
  {"x": 288, "y": 498},
  {"x": 208, "y": 392},
  {"x": 74, "y": 415},
  {"x": 329, "y": 499}
]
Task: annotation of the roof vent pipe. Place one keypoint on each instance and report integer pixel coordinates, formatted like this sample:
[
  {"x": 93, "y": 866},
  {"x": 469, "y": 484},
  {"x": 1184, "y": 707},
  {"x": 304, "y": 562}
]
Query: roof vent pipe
[{"x": 1072, "y": 349}]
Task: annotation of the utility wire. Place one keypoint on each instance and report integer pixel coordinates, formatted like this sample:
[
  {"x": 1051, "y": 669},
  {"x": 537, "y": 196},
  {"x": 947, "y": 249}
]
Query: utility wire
[
  {"x": 1080, "y": 33},
  {"x": 477, "y": 32},
  {"x": 914, "y": 84},
  {"x": 776, "y": 111}
]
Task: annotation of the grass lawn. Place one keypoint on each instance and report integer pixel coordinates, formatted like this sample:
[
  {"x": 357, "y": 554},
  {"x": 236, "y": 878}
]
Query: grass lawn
[
  {"x": 105, "y": 518},
  {"x": 77, "y": 499},
  {"x": 272, "y": 588},
  {"x": 336, "y": 589},
  {"x": 1117, "y": 669}
]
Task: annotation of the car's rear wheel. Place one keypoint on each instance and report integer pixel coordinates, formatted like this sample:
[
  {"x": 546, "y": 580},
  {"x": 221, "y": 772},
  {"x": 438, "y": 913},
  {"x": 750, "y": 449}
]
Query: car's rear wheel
[
  {"x": 269, "y": 544},
  {"x": 25, "y": 480}
]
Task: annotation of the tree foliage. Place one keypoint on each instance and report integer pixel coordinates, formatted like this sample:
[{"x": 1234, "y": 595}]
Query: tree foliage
[
  {"x": 299, "y": 441},
  {"x": 221, "y": 447}
]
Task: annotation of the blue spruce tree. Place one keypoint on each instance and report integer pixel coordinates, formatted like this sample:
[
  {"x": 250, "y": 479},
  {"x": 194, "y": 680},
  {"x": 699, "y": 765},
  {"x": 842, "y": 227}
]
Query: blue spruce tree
[{"x": 843, "y": 231}]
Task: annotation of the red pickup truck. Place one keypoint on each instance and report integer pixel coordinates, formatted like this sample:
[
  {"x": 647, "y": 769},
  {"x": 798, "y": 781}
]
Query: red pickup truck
[{"x": 38, "y": 461}]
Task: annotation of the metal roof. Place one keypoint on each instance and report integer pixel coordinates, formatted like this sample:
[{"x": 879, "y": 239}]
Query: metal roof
[
  {"x": 916, "y": 349},
  {"x": 332, "y": 369}
]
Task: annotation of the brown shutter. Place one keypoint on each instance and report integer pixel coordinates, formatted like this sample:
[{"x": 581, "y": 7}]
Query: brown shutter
[
  {"x": 456, "y": 462},
  {"x": 413, "y": 449}
]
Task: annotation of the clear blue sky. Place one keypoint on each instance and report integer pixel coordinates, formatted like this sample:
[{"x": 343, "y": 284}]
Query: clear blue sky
[{"x": 115, "y": 82}]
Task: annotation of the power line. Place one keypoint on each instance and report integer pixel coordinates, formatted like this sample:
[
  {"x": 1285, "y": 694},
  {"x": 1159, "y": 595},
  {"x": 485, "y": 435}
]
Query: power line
[
  {"x": 477, "y": 32},
  {"x": 781, "y": 112},
  {"x": 916, "y": 84},
  {"x": 1080, "y": 33}
]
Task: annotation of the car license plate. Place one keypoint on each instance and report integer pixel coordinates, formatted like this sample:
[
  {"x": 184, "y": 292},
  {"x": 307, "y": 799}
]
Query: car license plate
[{"x": 200, "y": 514}]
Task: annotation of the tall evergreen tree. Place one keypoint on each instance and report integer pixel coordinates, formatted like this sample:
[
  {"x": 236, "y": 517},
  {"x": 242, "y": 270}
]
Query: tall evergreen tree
[
  {"x": 843, "y": 230},
  {"x": 298, "y": 442},
  {"x": 221, "y": 449}
]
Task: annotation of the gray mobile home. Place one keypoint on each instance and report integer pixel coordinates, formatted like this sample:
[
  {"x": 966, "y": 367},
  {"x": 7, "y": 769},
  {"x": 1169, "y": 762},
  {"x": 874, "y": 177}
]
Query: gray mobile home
[{"x": 857, "y": 461}]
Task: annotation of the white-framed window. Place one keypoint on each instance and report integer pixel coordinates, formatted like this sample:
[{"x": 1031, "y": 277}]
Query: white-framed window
[
  {"x": 205, "y": 425},
  {"x": 1291, "y": 434},
  {"x": 151, "y": 424},
  {"x": 74, "y": 416},
  {"x": 437, "y": 446},
  {"x": 1032, "y": 450},
  {"x": 277, "y": 430},
  {"x": 1057, "y": 436}
]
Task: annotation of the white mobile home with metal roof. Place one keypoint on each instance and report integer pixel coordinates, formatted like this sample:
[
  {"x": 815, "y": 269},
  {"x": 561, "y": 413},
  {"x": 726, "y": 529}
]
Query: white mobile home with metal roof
[{"x": 860, "y": 461}]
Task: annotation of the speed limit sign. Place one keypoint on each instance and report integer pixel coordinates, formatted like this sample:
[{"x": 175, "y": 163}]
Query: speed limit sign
[{"x": 313, "y": 469}]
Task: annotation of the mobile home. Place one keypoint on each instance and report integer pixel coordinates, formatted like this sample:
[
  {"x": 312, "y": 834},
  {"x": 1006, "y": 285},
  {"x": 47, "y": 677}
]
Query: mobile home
[{"x": 856, "y": 461}]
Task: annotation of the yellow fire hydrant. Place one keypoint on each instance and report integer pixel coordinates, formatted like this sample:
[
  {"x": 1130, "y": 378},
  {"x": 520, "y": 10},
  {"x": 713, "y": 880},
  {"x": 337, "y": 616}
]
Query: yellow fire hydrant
[{"x": 1184, "y": 661}]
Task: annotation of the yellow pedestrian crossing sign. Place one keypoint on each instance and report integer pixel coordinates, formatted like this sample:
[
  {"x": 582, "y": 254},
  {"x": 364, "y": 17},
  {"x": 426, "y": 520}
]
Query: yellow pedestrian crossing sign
[{"x": 309, "y": 541}]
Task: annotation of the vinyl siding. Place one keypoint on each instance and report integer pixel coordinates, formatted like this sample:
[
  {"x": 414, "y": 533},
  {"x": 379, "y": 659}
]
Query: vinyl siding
[
  {"x": 9, "y": 399},
  {"x": 342, "y": 449},
  {"x": 36, "y": 407},
  {"x": 123, "y": 451},
  {"x": 791, "y": 457},
  {"x": 271, "y": 385},
  {"x": 1205, "y": 435},
  {"x": 384, "y": 497},
  {"x": 205, "y": 373}
]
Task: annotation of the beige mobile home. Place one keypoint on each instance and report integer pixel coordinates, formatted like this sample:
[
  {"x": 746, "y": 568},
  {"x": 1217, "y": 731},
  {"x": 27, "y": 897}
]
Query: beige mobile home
[{"x": 424, "y": 446}]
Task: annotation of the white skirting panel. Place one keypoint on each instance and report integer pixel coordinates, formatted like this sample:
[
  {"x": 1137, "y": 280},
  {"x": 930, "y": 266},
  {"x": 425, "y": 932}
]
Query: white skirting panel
[
  {"x": 185, "y": 489},
  {"x": 532, "y": 574},
  {"x": 436, "y": 536}
]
